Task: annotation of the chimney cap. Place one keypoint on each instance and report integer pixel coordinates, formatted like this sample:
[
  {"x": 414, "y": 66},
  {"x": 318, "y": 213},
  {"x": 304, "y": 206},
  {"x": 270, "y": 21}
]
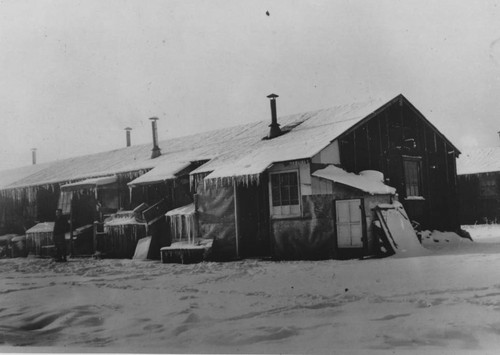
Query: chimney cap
[
  {"x": 272, "y": 96},
  {"x": 154, "y": 118},
  {"x": 33, "y": 149},
  {"x": 127, "y": 128}
]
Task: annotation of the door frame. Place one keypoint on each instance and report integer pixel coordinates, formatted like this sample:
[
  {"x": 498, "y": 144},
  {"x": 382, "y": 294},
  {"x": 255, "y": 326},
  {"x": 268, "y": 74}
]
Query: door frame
[{"x": 363, "y": 224}]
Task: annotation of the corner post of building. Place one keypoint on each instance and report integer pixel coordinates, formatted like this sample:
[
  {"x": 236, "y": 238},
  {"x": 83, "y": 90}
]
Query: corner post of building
[
  {"x": 236, "y": 222},
  {"x": 71, "y": 246}
]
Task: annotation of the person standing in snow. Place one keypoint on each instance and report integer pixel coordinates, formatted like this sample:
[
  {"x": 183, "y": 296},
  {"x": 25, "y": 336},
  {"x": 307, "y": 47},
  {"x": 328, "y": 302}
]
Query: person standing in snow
[{"x": 60, "y": 227}]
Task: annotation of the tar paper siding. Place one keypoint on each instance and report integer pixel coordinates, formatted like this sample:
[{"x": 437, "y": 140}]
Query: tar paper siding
[
  {"x": 368, "y": 204},
  {"x": 312, "y": 234},
  {"x": 479, "y": 198},
  {"x": 398, "y": 132},
  {"x": 20, "y": 214},
  {"x": 307, "y": 234}
]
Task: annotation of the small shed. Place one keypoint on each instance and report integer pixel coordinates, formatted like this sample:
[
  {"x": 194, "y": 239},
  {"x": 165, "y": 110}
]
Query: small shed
[
  {"x": 5, "y": 245},
  {"x": 121, "y": 234},
  {"x": 124, "y": 229},
  {"x": 39, "y": 239},
  {"x": 183, "y": 223},
  {"x": 186, "y": 245},
  {"x": 355, "y": 197},
  {"x": 18, "y": 247}
]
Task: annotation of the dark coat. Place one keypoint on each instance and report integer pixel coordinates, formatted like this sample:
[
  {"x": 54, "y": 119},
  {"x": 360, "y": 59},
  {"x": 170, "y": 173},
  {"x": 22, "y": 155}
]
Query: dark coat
[{"x": 61, "y": 225}]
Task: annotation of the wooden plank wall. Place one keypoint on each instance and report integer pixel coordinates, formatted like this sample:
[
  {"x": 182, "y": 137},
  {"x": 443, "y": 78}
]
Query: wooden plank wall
[{"x": 381, "y": 143}]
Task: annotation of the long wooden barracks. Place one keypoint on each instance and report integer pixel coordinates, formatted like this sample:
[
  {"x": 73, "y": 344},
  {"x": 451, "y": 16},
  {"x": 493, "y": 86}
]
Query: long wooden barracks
[{"x": 299, "y": 186}]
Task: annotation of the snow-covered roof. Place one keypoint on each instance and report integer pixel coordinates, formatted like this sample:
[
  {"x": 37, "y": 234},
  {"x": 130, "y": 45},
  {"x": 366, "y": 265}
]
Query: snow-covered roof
[
  {"x": 8, "y": 177},
  {"x": 235, "y": 152},
  {"x": 368, "y": 181},
  {"x": 44, "y": 227},
  {"x": 160, "y": 173},
  {"x": 90, "y": 183},
  {"x": 312, "y": 132},
  {"x": 184, "y": 210},
  {"x": 479, "y": 160}
]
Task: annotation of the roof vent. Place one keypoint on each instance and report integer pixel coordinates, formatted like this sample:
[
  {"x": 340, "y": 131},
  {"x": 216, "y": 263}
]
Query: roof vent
[
  {"x": 275, "y": 130},
  {"x": 155, "y": 152},
  {"x": 127, "y": 130},
  {"x": 33, "y": 155}
]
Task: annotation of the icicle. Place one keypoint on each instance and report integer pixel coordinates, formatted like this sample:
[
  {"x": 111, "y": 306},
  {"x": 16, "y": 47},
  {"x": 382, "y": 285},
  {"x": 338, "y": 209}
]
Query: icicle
[{"x": 190, "y": 227}]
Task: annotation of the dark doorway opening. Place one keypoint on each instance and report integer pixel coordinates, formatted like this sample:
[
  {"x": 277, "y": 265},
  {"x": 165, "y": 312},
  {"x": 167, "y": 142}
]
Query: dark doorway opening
[{"x": 253, "y": 220}]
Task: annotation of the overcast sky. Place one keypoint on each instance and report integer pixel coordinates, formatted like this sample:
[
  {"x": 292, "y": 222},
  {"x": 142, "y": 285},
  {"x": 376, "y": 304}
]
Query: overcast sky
[{"x": 74, "y": 74}]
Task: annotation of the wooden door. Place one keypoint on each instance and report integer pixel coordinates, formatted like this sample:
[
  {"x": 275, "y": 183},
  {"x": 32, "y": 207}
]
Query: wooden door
[{"x": 349, "y": 223}]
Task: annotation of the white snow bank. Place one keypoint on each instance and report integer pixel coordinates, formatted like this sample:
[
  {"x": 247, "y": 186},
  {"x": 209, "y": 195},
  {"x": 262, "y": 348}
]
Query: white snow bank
[
  {"x": 443, "y": 241},
  {"x": 486, "y": 233},
  {"x": 369, "y": 181},
  {"x": 437, "y": 304}
]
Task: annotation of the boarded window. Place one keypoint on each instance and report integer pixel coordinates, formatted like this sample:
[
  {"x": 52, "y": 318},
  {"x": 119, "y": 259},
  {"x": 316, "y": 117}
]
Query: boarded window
[
  {"x": 285, "y": 193},
  {"x": 413, "y": 179}
]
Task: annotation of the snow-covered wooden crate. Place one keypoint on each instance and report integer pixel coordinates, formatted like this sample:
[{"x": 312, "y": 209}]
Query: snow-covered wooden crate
[
  {"x": 18, "y": 247},
  {"x": 186, "y": 248},
  {"x": 6, "y": 245},
  {"x": 186, "y": 253},
  {"x": 39, "y": 239},
  {"x": 183, "y": 224},
  {"x": 122, "y": 232}
]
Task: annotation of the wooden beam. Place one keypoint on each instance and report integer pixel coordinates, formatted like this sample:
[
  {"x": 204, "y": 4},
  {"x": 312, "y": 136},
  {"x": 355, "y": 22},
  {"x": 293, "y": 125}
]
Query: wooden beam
[
  {"x": 236, "y": 222},
  {"x": 402, "y": 123},
  {"x": 354, "y": 151},
  {"x": 368, "y": 146},
  {"x": 381, "y": 147},
  {"x": 446, "y": 163},
  {"x": 387, "y": 134}
]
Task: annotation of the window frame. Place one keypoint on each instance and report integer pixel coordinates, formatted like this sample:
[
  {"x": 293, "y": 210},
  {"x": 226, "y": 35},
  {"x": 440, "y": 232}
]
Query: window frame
[
  {"x": 410, "y": 185},
  {"x": 285, "y": 210},
  {"x": 488, "y": 188}
]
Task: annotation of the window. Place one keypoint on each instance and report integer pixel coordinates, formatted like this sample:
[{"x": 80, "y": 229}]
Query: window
[
  {"x": 413, "y": 179},
  {"x": 285, "y": 193},
  {"x": 487, "y": 186}
]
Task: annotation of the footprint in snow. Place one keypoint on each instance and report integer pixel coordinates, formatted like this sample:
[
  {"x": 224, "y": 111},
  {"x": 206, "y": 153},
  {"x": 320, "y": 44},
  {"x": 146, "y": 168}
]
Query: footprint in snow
[{"x": 392, "y": 316}]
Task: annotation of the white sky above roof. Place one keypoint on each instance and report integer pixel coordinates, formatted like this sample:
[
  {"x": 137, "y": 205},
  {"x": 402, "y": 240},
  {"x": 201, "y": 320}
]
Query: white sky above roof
[
  {"x": 76, "y": 73},
  {"x": 479, "y": 160}
]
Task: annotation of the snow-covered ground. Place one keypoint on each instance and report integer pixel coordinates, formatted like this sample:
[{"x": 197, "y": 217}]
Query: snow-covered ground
[{"x": 448, "y": 300}]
